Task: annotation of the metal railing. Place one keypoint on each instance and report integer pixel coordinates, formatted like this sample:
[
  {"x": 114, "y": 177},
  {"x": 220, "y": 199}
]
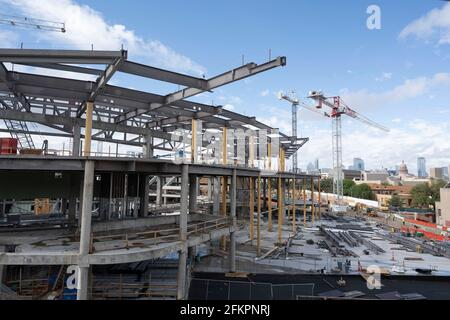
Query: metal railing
[
  {"x": 211, "y": 289},
  {"x": 171, "y": 234}
]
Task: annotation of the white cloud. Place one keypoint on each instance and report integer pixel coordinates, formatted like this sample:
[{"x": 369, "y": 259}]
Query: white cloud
[
  {"x": 265, "y": 93},
  {"x": 405, "y": 141},
  {"x": 229, "y": 107},
  {"x": 418, "y": 138},
  {"x": 435, "y": 24},
  {"x": 8, "y": 39},
  {"x": 411, "y": 88},
  {"x": 86, "y": 26},
  {"x": 385, "y": 76}
]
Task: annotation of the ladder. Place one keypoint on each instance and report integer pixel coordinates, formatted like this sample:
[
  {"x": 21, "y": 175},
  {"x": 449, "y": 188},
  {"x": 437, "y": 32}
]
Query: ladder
[{"x": 19, "y": 131}]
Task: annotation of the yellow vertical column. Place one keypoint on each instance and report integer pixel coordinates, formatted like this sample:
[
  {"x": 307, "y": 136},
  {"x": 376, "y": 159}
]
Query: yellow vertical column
[
  {"x": 88, "y": 129},
  {"x": 282, "y": 161},
  {"x": 258, "y": 226},
  {"x": 304, "y": 201},
  {"x": 269, "y": 204},
  {"x": 280, "y": 208},
  {"x": 312, "y": 201},
  {"x": 294, "y": 199},
  {"x": 269, "y": 188},
  {"x": 251, "y": 208},
  {"x": 224, "y": 146},
  {"x": 320, "y": 198}
]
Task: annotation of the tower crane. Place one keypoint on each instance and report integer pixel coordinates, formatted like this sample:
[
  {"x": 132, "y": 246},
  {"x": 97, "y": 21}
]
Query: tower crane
[
  {"x": 337, "y": 109},
  {"x": 32, "y": 23},
  {"x": 296, "y": 103},
  {"x": 19, "y": 129}
]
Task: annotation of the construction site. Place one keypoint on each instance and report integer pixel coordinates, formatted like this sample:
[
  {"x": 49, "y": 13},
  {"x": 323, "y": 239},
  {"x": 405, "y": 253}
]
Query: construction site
[{"x": 204, "y": 208}]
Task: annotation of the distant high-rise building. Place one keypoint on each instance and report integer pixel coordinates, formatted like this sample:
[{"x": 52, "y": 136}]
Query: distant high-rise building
[
  {"x": 316, "y": 165},
  {"x": 445, "y": 171},
  {"x": 421, "y": 167},
  {"x": 310, "y": 167},
  {"x": 436, "y": 173},
  {"x": 358, "y": 164}
]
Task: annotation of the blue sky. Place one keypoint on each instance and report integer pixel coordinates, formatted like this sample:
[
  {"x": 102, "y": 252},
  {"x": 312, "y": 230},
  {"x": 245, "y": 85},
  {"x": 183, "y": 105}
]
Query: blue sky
[{"x": 398, "y": 76}]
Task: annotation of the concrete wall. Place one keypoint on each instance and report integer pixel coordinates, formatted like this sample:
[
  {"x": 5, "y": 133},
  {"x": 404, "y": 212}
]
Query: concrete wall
[{"x": 443, "y": 208}]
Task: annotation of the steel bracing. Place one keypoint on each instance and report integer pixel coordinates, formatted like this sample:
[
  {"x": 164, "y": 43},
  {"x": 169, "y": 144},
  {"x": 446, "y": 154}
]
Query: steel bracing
[{"x": 121, "y": 115}]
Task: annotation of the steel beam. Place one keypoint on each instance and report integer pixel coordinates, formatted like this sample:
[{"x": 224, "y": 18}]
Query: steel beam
[
  {"x": 60, "y": 56},
  {"x": 240, "y": 73},
  {"x": 162, "y": 75}
]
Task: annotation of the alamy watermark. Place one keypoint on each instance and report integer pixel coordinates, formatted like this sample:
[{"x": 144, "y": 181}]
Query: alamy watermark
[{"x": 374, "y": 19}]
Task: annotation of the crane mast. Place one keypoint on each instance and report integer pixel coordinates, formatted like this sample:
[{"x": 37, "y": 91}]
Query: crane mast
[
  {"x": 19, "y": 129},
  {"x": 295, "y": 102},
  {"x": 339, "y": 108},
  {"x": 32, "y": 23}
]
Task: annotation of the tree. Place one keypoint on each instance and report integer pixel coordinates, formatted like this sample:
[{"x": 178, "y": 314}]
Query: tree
[
  {"x": 396, "y": 202},
  {"x": 326, "y": 185},
  {"x": 363, "y": 191},
  {"x": 421, "y": 196},
  {"x": 425, "y": 195},
  {"x": 348, "y": 185},
  {"x": 436, "y": 187}
]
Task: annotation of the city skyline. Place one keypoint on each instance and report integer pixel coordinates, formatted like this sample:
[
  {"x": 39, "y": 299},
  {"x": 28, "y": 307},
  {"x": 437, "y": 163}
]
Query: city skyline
[{"x": 411, "y": 169}]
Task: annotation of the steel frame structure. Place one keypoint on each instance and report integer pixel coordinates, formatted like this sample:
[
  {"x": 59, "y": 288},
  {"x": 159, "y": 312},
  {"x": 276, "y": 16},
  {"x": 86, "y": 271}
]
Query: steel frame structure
[{"x": 121, "y": 115}]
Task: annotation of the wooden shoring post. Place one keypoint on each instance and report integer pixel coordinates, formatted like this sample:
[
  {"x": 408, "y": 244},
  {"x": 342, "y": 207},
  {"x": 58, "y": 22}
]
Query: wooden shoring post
[
  {"x": 280, "y": 208},
  {"x": 224, "y": 146},
  {"x": 269, "y": 204},
  {"x": 320, "y": 203},
  {"x": 304, "y": 201},
  {"x": 282, "y": 161},
  {"x": 258, "y": 226},
  {"x": 312, "y": 201},
  {"x": 251, "y": 208},
  {"x": 294, "y": 199}
]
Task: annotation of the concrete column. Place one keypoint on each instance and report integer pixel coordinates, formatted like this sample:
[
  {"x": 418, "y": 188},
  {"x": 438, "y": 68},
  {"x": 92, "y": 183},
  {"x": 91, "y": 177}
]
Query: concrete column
[
  {"x": 2, "y": 209},
  {"x": 111, "y": 186},
  {"x": 216, "y": 196},
  {"x": 147, "y": 148},
  {"x": 163, "y": 182},
  {"x": 193, "y": 193},
  {"x": 192, "y": 251},
  {"x": 85, "y": 236},
  {"x": 209, "y": 189},
  {"x": 2, "y": 267},
  {"x": 184, "y": 201},
  {"x": 232, "y": 255},
  {"x": 159, "y": 191},
  {"x": 80, "y": 198},
  {"x": 76, "y": 145},
  {"x": 181, "y": 279},
  {"x": 144, "y": 192},
  {"x": 182, "y": 254}
]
